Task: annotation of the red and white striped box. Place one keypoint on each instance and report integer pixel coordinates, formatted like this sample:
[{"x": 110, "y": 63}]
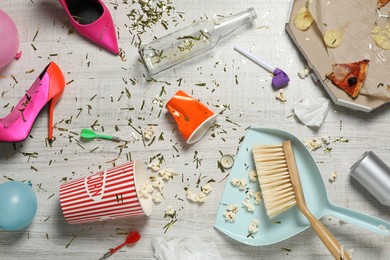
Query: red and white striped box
[{"x": 106, "y": 195}]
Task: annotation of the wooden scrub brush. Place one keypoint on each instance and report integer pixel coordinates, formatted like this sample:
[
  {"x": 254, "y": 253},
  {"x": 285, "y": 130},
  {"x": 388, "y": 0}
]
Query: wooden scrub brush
[{"x": 281, "y": 188}]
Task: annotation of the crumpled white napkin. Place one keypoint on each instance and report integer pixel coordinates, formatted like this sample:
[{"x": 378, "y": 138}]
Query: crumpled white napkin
[
  {"x": 312, "y": 112},
  {"x": 192, "y": 248}
]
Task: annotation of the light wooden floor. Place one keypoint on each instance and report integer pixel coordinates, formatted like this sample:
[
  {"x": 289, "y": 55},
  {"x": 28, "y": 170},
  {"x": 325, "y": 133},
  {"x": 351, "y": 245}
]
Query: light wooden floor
[{"x": 110, "y": 93}]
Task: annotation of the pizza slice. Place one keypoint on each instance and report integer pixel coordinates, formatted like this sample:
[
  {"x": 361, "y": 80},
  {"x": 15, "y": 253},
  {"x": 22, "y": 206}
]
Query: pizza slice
[
  {"x": 349, "y": 76},
  {"x": 382, "y": 3}
]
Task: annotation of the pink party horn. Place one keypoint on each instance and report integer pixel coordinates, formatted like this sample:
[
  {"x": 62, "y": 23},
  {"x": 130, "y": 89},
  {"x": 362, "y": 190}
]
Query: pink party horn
[
  {"x": 106, "y": 195},
  {"x": 192, "y": 117}
]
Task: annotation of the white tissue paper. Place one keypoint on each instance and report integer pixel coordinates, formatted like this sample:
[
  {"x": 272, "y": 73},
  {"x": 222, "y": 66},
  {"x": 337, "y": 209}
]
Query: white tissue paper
[
  {"x": 312, "y": 112},
  {"x": 192, "y": 248}
]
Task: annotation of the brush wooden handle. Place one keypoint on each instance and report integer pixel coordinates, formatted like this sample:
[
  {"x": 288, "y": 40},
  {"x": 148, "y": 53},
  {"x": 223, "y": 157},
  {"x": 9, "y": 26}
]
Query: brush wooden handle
[
  {"x": 323, "y": 233},
  {"x": 330, "y": 241}
]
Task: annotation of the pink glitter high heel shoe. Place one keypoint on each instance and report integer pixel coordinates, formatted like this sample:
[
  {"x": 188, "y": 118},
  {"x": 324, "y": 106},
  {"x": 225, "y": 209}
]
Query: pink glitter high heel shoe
[
  {"x": 47, "y": 88},
  {"x": 92, "y": 19}
]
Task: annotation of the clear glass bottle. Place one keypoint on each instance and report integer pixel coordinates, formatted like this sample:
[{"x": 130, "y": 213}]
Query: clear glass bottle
[{"x": 190, "y": 41}]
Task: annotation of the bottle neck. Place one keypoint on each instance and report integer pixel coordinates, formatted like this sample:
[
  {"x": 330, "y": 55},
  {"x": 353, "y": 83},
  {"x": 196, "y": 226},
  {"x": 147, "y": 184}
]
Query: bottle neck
[{"x": 228, "y": 24}]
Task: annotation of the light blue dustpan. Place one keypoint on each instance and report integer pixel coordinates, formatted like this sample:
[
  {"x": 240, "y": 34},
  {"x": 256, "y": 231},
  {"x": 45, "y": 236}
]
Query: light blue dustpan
[{"x": 292, "y": 221}]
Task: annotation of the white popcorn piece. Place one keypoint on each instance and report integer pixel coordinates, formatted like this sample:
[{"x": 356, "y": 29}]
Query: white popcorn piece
[
  {"x": 248, "y": 205},
  {"x": 154, "y": 166},
  {"x": 304, "y": 73},
  {"x": 255, "y": 221},
  {"x": 333, "y": 177},
  {"x": 191, "y": 196},
  {"x": 166, "y": 174},
  {"x": 326, "y": 140},
  {"x": 134, "y": 136},
  {"x": 196, "y": 197},
  {"x": 230, "y": 213},
  {"x": 313, "y": 144},
  {"x": 207, "y": 188},
  {"x": 341, "y": 140},
  {"x": 253, "y": 175},
  {"x": 159, "y": 101},
  {"x": 258, "y": 197},
  {"x": 280, "y": 96},
  {"x": 169, "y": 212},
  {"x": 200, "y": 197},
  {"x": 235, "y": 182},
  {"x": 158, "y": 183},
  {"x": 233, "y": 208},
  {"x": 229, "y": 216},
  {"x": 253, "y": 226},
  {"x": 145, "y": 190},
  {"x": 157, "y": 197},
  {"x": 240, "y": 183},
  {"x": 149, "y": 132},
  {"x": 251, "y": 194}
]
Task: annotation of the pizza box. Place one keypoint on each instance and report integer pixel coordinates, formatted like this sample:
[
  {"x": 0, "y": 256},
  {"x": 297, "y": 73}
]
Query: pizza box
[{"x": 310, "y": 44}]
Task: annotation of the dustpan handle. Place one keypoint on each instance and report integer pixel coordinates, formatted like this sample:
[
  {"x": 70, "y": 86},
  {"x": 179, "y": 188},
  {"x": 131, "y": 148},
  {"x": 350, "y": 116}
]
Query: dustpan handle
[
  {"x": 373, "y": 224},
  {"x": 330, "y": 241}
]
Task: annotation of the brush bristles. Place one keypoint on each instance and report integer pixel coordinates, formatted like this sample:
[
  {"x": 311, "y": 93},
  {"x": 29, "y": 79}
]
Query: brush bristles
[{"x": 274, "y": 179}]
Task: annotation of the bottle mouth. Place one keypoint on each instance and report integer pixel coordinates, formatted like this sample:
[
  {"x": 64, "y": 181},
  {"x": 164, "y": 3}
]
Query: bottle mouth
[{"x": 252, "y": 12}]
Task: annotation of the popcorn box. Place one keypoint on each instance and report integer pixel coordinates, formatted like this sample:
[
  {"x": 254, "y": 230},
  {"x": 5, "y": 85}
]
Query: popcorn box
[{"x": 106, "y": 195}]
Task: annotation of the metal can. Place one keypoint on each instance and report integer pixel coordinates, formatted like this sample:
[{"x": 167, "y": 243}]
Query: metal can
[{"x": 374, "y": 175}]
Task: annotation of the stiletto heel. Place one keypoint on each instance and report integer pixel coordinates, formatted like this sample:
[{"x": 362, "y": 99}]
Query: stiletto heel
[
  {"x": 52, "y": 104},
  {"x": 47, "y": 88},
  {"x": 93, "y": 20}
]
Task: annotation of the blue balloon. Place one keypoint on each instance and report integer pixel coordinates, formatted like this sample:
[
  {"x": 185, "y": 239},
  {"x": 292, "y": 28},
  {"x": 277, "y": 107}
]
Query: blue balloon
[{"x": 18, "y": 205}]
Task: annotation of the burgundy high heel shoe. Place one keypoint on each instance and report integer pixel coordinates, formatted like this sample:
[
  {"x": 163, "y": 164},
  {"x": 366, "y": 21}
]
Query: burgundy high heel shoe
[
  {"x": 47, "y": 88},
  {"x": 92, "y": 19}
]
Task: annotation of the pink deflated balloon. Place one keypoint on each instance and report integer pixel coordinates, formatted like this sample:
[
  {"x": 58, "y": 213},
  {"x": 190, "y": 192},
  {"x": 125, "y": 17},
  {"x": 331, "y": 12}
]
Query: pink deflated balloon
[{"x": 9, "y": 39}]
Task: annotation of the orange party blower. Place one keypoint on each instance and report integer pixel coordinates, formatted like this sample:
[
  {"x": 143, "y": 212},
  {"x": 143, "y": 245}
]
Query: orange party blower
[{"x": 192, "y": 117}]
